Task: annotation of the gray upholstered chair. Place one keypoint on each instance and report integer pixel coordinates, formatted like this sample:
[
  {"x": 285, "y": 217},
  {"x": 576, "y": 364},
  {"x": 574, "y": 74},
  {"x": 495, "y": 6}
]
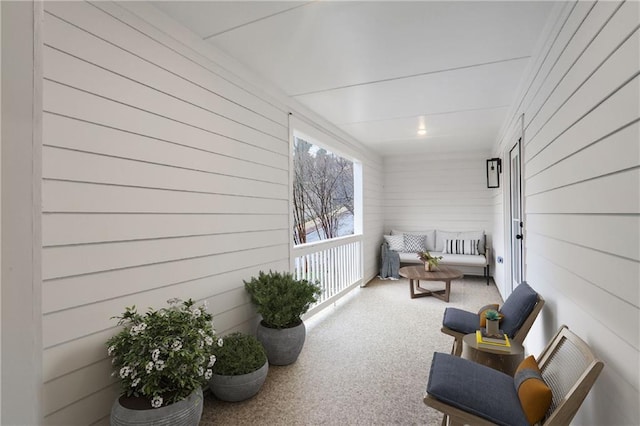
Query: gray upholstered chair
[
  {"x": 520, "y": 311},
  {"x": 470, "y": 393}
]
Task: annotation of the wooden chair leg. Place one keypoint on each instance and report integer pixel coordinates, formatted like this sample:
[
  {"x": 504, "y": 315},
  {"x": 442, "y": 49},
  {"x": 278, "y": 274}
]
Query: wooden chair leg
[
  {"x": 448, "y": 421},
  {"x": 457, "y": 347}
]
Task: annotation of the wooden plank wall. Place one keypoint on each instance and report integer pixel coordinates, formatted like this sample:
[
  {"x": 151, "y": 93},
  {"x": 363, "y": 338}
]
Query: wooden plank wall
[
  {"x": 160, "y": 179},
  {"x": 441, "y": 190},
  {"x": 582, "y": 195},
  {"x": 164, "y": 175}
]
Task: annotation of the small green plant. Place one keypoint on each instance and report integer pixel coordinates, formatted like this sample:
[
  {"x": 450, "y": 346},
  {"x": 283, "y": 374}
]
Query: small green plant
[
  {"x": 165, "y": 354},
  {"x": 427, "y": 257},
  {"x": 492, "y": 315},
  {"x": 281, "y": 299},
  {"x": 240, "y": 354}
]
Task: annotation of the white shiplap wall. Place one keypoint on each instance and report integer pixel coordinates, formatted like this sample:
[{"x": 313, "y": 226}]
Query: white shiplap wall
[
  {"x": 441, "y": 190},
  {"x": 582, "y": 195},
  {"x": 162, "y": 177},
  {"x": 155, "y": 185},
  {"x": 373, "y": 223},
  {"x": 371, "y": 162}
]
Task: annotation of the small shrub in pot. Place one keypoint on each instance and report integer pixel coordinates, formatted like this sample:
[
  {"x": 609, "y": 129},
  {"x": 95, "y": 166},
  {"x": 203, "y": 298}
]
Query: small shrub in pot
[
  {"x": 240, "y": 369},
  {"x": 282, "y": 299},
  {"x": 240, "y": 354}
]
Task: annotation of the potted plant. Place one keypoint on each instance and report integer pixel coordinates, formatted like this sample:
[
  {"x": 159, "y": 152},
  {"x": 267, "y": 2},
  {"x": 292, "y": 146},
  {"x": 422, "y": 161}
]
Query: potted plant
[
  {"x": 430, "y": 262},
  {"x": 493, "y": 322},
  {"x": 241, "y": 368},
  {"x": 162, "y": 359},
  {"x": 282, "y": 300}
]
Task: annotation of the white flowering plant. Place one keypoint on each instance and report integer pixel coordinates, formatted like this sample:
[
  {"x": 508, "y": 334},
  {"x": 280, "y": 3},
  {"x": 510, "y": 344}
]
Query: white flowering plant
[{"x": 165, "y": 354}]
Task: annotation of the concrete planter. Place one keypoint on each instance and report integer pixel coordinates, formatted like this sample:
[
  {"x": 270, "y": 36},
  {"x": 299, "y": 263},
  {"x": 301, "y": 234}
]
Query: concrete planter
[
  {"x": 282, "y": 345},
  {"x": 493, "y": 327},
  {"x": 183, "y": 413},
  {"x": 240, "y": 387}
]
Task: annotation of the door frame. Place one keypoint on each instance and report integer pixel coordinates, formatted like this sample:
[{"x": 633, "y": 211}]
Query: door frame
[{"x": 517, "y": 135}]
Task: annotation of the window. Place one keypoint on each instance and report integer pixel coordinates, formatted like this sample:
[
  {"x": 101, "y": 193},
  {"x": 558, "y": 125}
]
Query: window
[{"x": 325, "y": 195}]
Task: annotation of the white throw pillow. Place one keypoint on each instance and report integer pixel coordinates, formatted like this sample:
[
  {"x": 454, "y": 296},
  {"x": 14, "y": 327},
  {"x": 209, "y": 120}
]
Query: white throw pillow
[{"x": 395, "y": 242}]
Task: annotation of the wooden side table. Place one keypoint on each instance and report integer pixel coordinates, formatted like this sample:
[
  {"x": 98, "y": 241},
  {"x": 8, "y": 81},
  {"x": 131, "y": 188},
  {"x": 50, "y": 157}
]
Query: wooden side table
[{"x": 507, "y": 362}]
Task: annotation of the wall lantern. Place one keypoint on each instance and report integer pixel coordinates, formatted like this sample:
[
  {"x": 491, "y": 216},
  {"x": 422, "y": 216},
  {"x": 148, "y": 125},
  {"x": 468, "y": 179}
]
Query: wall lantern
[{"x": 494, "y": 168}]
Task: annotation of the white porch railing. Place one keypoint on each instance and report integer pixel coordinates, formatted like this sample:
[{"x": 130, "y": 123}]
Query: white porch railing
[{"x": 336, "y": 264}]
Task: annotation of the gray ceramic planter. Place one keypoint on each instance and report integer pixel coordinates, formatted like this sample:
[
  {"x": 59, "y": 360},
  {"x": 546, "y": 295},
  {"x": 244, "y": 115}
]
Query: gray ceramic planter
[
  {"x": 238, "y": 388},
  {"x": 282, "y": 345},
  {"x": 182, "y": 413}
]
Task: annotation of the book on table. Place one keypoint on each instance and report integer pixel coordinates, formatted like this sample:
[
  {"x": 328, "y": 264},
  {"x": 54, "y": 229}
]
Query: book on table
[
  {"x": 504, "y": 346},
  {"x": 493, "y": 338}
]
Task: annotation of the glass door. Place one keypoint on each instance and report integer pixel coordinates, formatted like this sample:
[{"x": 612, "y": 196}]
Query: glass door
[{"x": 517, "y": 224}]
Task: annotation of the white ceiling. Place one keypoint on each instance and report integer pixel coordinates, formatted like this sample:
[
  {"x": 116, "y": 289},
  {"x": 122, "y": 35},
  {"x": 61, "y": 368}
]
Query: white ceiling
[{"x": 380, "y": 69}]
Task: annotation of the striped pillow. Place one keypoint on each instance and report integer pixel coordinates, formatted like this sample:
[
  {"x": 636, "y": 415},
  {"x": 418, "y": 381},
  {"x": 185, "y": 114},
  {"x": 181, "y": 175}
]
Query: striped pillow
[{"x": 461, "y": 246}]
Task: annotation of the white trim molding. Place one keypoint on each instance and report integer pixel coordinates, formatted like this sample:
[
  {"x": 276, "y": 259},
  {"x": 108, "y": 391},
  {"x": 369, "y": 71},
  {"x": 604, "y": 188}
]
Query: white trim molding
[{"x": 21, "y": 212}]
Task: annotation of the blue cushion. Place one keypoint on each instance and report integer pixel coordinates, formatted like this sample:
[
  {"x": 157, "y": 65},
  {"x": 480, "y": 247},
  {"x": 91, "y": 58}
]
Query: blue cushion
[
  {"x": 476, "y": 389},
  {"x": 461, "y": 321},
  {"x": 517, "y": 308}
]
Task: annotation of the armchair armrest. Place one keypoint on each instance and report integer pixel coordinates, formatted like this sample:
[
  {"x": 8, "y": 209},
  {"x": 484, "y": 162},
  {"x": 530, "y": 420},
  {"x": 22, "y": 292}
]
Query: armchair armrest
[{"x": 493, "y": 306}]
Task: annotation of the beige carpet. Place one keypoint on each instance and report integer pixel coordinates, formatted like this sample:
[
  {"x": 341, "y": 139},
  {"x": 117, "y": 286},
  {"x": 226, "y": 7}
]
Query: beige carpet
[{"x": 365, "y": 361}]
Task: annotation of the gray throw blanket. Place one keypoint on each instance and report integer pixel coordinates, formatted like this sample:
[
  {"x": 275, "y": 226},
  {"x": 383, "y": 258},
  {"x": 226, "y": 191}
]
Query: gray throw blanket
[{"x": 389, "y": 263}]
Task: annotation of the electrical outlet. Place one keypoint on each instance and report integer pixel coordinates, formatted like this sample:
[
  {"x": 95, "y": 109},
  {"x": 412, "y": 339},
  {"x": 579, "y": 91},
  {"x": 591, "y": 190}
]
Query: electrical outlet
[{"x": 500, "y": 259}]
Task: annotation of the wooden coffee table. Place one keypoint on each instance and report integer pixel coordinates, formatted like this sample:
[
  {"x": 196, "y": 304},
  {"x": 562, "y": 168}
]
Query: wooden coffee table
[{"x": 417, "y": 274}]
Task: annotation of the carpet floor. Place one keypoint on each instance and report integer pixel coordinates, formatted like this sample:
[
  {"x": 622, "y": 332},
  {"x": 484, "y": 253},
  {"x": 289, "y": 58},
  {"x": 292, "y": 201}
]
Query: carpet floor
[{"x": 365, "y": 361}]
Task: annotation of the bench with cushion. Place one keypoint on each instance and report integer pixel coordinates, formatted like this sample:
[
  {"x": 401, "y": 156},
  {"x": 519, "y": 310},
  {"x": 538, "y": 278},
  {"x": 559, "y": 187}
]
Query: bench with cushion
[{"x": 467, "y": 249}]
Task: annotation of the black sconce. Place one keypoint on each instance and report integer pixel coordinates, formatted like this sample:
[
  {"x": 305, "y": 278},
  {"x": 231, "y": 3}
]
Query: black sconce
[{"x": 494, "y": 168}]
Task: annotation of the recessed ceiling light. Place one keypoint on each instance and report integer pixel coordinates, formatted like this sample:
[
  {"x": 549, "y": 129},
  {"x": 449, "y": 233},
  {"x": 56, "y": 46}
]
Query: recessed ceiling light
[{"x": 422, "y": 132}]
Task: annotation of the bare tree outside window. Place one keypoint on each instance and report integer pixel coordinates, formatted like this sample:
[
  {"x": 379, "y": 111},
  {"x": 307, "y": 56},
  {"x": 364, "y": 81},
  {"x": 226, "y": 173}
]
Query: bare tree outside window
[{"x": 322, "y": 193}]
